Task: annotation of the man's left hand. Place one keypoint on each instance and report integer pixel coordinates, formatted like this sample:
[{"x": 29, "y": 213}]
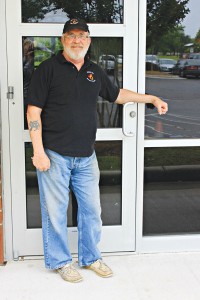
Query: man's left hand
[{"x": 161, "y": 106}]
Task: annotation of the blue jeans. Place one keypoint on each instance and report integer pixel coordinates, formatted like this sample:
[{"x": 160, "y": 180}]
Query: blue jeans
[{"x": 81, "y": 174}]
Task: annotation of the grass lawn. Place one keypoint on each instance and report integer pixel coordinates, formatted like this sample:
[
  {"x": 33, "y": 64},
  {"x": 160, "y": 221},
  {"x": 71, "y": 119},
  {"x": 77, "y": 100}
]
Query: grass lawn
[{"x": 169, "y": 56}]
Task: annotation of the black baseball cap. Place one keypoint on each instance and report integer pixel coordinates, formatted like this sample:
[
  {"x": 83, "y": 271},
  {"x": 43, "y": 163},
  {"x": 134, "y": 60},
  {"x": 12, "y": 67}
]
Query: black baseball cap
[{"x": 75, "y": 24}]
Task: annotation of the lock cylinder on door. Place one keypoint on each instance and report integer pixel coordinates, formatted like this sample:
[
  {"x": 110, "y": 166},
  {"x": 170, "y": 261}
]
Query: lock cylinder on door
[{"x": 129, "y": 118}]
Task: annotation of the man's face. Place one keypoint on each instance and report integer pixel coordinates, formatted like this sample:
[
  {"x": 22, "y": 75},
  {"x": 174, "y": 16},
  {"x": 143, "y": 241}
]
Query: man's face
[{"x": 76, "y": 43}]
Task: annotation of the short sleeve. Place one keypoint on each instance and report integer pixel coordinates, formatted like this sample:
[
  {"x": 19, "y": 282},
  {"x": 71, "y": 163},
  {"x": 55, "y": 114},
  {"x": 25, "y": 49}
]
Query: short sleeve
[
  {"x": 109, "y": 90},
  {"x": 39, "y": 85}
]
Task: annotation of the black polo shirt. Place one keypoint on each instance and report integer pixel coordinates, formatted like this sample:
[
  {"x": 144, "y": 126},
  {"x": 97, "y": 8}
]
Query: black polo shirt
[{"x": 68, "y": 100}]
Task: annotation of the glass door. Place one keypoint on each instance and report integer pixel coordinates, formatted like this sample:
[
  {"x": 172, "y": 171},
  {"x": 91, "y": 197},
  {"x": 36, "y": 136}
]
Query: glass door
[{"x": 33, "y": 35}]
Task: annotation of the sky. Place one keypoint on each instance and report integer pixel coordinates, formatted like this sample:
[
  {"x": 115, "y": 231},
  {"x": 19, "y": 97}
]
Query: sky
[{"x": 192, "y": 20}]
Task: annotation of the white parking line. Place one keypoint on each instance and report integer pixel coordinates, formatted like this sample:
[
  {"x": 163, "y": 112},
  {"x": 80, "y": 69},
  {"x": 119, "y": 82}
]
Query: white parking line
[{"x": 159, "y": 77}]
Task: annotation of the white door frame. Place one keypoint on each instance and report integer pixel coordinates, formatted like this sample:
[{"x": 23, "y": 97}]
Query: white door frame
[
  {"x": 128, "y": 30},
  {"x": 165, "y": 243},
  {"x": 143, "y": 244},
  {"x": 5, "y": 146}
]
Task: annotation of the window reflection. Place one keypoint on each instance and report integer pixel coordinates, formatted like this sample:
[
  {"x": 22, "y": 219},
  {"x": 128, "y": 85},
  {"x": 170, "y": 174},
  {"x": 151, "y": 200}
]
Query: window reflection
[
  {"x": 107, "y": 52},
  {"x": 109, "y": 156},
  {"x": 182, "y": 120},
  {"x": 35, "y": 50},
  {"x": 172, "y": 72},
  {"x": 59, "y": 11},
  {"x": 28, "y": 63},
  {"x": 171, "y": 191}
]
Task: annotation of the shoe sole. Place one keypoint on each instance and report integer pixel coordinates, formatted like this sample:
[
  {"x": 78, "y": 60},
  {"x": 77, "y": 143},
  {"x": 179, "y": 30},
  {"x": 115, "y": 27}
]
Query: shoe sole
[{"x": 72, "y": 281}]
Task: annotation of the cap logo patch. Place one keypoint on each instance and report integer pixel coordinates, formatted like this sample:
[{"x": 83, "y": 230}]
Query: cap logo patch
[
  {"x": 73, "y": 21},
  {"x": 90, "y": 76}
]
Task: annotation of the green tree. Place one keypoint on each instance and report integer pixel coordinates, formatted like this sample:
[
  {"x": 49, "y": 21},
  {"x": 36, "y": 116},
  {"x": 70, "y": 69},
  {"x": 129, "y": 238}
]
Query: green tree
[
  {"x": 102, "y": 11},
  {"x": 34, "y": 9},
  {"x": 93, "y": 11},
  {"x": 163, "y": 16},
  {"x": 197, "y": 42},
  {"x": 173, "y": 41}
]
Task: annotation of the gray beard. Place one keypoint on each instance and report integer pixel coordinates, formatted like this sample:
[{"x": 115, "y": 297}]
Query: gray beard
[{"x": 76, "y": 56}]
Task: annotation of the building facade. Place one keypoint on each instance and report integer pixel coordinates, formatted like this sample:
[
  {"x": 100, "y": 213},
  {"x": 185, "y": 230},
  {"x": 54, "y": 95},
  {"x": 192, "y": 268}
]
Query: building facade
[{"x": 149, "y": 164}]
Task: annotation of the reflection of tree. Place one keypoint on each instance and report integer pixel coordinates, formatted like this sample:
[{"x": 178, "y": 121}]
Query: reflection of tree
[
  {"x": 197, "y": 42},
  {"x": 163, "y": 16},
  {"x": 93, "y": 11},
  {"x": 106, "y": 46},
  {"x": 28, "y": 63},
  {"x": 28, "y": 69},
  {"x": 32, "y": 10}
]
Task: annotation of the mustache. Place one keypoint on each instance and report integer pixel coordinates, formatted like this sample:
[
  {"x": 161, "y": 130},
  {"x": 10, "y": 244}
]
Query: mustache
[{"x": 76, "y": 46}]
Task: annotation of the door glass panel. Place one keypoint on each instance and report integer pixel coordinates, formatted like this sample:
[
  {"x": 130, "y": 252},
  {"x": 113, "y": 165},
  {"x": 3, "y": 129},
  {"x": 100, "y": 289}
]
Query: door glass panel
[
  {"x": 173, "y": 70},
  {"x": 107, "y": 52},
  {"x": 109, "y": 155},
  {"x": 59, "y": 11},
  {"x": 171, "y": 191}
]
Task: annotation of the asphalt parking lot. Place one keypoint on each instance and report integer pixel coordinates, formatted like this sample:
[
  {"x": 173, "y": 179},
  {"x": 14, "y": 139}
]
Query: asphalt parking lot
[{"x": 183, "y": 98}]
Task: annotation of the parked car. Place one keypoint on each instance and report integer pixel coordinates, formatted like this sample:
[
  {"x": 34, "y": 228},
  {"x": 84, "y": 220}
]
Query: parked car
[
  {"x": 151, "y": 62},
  {"x": 194, "y": 56},
  {"x": 166, "y": 64},
  {"x": 120, "y": 59},
  {"x": 152, "y": 58},
  {"x": 176, "y": 70},
  {"x": 107, "y": 62},
  {"x": 191, "y": 68}
]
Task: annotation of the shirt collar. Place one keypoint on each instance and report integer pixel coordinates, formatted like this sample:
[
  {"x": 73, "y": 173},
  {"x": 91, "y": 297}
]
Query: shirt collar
[{"x": 62, "y": 59}]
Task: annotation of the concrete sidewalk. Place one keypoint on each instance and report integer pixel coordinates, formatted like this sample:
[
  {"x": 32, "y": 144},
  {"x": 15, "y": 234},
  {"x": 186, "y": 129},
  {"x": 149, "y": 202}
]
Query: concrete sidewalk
[{"x": 136, "y": 277}]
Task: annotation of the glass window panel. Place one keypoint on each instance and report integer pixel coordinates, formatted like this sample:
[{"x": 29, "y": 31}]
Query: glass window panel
[
  {"x": 107, "y": 52},
  {"x": 171, "y": 191},
  {"x": 172, "y": 72},
  {"x": 109, "y": 155},
  {"x": 59, "y": 11}
]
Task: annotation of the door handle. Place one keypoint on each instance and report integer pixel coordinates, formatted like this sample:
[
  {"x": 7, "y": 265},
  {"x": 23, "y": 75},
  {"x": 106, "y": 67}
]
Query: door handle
[{"x": 129, "y": 115}]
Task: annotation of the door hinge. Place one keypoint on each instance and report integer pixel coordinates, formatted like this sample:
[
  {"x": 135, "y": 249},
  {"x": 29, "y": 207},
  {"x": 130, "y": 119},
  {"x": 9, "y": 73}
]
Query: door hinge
[{"x": 10, "y": 93}]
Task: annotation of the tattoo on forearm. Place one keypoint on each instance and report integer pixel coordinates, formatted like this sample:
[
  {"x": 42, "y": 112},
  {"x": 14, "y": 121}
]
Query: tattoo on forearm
[{"x": 34, "y": 125}]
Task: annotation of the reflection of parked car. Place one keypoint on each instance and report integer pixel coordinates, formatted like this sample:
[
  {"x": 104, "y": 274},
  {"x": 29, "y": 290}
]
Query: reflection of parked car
[
  {"x": 151, "y": 62},
  {"x": 178, "y": 67},
  {"x": 191, "y": 68},
  {"x": 119, "y": 59},
  {"x": 152, "y": 58},
  {"x": 194, "y": 56},
  {"x": 107, "y": 62},
  {"x": 166, "y": 64}
]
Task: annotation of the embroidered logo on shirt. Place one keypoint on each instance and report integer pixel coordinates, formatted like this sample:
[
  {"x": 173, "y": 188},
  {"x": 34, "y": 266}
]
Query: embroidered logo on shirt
[{"x": 90, "y": 76}]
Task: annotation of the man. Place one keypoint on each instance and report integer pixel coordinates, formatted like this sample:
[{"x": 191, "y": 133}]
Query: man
[{"x": 61, "y": 117}]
